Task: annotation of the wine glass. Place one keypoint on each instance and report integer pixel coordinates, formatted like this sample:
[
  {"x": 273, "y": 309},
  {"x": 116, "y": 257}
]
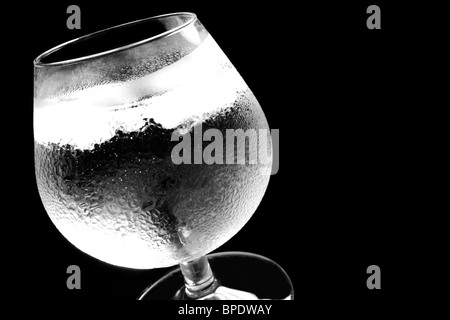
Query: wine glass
[{"x": 123, "y": 120}]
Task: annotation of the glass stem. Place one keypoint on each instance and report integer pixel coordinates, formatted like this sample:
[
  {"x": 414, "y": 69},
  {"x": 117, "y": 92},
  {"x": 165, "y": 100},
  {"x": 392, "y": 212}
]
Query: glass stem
[{"x": 198, "y": 277}]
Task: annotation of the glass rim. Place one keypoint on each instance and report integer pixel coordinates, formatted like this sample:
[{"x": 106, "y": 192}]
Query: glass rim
[
  {"x": 223, "y": 254},
  {"x": 38, "y": 63}
]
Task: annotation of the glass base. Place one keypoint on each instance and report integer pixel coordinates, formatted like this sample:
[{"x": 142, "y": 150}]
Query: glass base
[{"x": 239, "y": 276}]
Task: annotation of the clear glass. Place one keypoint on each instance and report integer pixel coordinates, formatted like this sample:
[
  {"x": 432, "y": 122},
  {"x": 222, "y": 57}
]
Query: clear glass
[{"x": 110, "y": 109}]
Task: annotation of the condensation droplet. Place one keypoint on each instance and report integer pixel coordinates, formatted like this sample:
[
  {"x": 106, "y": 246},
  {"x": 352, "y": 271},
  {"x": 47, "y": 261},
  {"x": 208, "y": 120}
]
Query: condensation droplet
[
  {"x": 149, "y": 204},
  {"x": 183, "y": 233}
]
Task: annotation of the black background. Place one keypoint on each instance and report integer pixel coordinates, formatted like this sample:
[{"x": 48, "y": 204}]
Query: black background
[{"x": 344, "y": 196}]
